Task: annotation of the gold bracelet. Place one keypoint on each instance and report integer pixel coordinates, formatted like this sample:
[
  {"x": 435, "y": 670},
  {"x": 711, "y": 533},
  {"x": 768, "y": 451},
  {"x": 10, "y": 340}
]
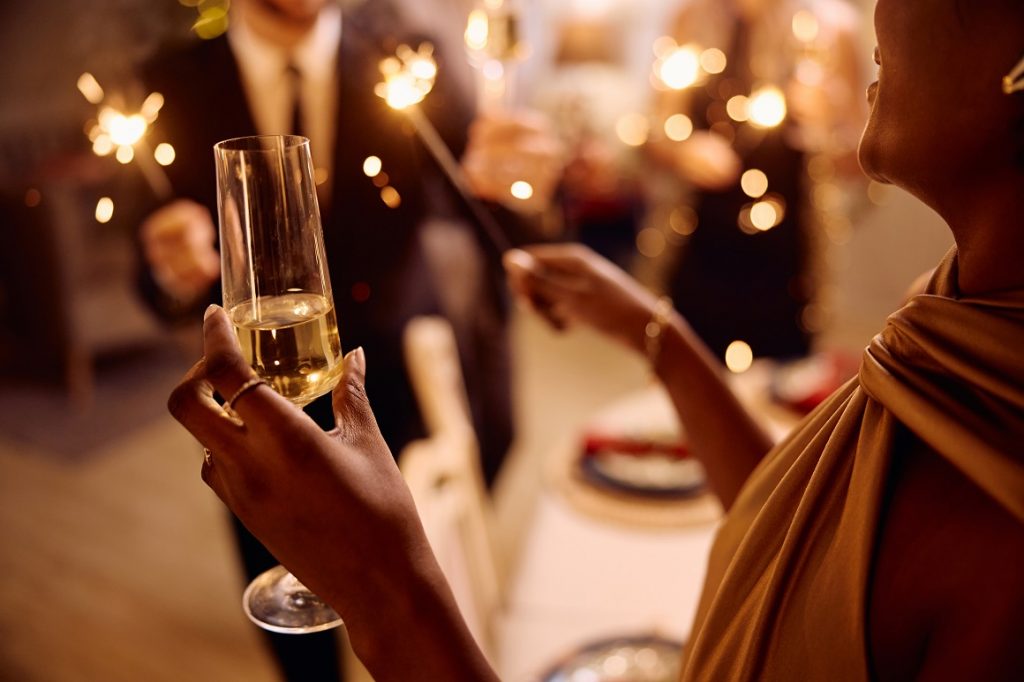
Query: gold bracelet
[{"x": 655, "y": 329}]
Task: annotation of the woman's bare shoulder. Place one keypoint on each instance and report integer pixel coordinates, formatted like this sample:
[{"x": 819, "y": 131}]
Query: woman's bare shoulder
[{"x": 947, "y": 597}]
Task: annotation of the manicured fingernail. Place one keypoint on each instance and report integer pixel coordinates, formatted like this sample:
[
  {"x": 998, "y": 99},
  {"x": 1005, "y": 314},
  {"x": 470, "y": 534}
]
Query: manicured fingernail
[{"x": 209, "y": 310}]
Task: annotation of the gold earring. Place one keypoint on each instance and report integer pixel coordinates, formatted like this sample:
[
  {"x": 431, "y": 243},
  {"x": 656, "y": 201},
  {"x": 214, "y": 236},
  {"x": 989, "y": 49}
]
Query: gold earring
[{"x": 1014, "y": 81}]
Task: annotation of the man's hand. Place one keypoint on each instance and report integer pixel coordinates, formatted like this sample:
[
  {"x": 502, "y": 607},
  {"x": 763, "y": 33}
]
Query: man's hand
[
  {"x": 514, "y": 147},
  {"x": 178, "y": 243}
]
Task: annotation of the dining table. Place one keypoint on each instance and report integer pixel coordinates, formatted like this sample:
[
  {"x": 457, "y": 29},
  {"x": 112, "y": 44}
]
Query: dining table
[{"x": 596, "y": 564}]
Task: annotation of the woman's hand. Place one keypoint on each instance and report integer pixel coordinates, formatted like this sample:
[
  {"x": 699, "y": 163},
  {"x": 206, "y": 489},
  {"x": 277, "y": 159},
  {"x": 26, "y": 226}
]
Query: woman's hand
[
  {"x": 332, "y": 507},
  {"x": 569, "y": 284}
]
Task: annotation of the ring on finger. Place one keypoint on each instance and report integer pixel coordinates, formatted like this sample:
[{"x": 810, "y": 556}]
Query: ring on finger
[{"x": 242, "y": 390}]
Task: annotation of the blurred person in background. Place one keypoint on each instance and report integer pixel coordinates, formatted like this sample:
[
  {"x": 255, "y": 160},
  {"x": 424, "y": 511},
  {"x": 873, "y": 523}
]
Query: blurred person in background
[
  {"x": 309, "y": 67},
  {"x": 747, "y": 271},
  {"x": 882, "y": 539}
]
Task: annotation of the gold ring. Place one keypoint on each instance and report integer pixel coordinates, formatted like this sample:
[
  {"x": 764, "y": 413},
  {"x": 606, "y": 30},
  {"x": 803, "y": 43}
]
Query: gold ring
[
  {"x": 242, "y": 390},
  {"x": 208, "y": 457}
]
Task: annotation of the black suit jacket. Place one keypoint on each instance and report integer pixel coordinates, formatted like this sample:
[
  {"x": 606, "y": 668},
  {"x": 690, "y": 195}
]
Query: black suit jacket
[{"x": 368, "y": 244}]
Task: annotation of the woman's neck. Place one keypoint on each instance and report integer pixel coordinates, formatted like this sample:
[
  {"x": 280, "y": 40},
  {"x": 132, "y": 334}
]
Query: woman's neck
[{"x": 988, "y": 226}]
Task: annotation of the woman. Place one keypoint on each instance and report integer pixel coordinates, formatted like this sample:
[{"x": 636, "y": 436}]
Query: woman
[{"x": 882, "y": 539}]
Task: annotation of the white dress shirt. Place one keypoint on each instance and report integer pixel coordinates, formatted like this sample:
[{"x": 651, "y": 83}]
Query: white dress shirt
[{"x": 269, "y": 88}]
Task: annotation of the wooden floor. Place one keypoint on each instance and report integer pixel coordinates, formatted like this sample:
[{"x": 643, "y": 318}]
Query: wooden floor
[{"x": 119, "y": 568}]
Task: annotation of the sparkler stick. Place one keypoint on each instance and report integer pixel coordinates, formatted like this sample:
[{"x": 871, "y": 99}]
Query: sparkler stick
[{"x": 408, "y": 79}]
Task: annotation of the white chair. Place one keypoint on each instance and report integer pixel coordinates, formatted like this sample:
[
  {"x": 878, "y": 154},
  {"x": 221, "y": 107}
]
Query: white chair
[{"x": 443, "y": 472}]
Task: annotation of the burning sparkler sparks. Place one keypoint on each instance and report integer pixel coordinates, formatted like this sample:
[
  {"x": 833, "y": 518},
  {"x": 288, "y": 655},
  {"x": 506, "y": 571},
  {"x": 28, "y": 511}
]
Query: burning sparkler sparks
[
  {"x": 408, "y": 78},
  {"x": 123, "y": 134}
]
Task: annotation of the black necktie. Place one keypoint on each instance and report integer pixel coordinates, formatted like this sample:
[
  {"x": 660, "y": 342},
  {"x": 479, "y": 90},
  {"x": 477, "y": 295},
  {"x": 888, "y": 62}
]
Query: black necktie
[{"x": 295, "y": 76}]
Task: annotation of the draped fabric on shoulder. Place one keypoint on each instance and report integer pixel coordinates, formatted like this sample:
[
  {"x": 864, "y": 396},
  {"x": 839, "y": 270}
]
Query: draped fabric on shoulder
[{"x": 786, "y": 592}]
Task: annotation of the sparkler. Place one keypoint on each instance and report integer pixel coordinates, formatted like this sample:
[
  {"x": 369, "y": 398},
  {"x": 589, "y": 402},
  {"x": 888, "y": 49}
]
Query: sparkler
[
  {"x": 123, "y": 134},
  {"x": 1014, "y": 81},
  {"x": 408, "y": 78}
]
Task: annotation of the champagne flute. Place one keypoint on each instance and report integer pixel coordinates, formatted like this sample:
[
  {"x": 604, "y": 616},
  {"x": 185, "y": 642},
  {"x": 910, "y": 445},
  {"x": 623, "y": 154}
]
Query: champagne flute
[{"x": 277, "y": 293}]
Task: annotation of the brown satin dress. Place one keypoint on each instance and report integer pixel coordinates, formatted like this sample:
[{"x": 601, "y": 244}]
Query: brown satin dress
[{"x": 787, "y": 584}]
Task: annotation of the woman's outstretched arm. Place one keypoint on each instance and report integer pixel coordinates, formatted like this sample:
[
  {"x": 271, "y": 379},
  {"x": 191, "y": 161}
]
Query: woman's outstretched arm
[
  {"x": 569, "y": 283},
  {"x": 333, "y": 508}
]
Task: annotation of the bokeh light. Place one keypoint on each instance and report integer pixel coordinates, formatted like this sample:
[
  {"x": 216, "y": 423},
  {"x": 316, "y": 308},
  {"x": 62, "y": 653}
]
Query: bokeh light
[
  {"x": 102, "y": 145},
  {"x": 408, "y": 76},
  {"x": 805, "y": 26},
  {"x": 104, "y": 210},
  {"x": 90, "y": 88},
  {"x": 390, "y": 196},
  {"x": 372, "y": 166},
  {"x": 632, "y": 129},
  {"x": 476, "y": 30},
  {"x": 678, "y": 127},
  {"x": 683, "y": 220},
  {"x": 754, "y": 183},
  {"x": 763, "y": 215},
  {"x": 164, "y": 154},
  {"x": 125, "y": 154},
  {"x": 650, "y": 242},
  {"x": 739, "y": 357},
  {"x": 738, "y": 108},
  {"x": 124, "y": 130},
  {"x": 151, "y": 106},
  {"x": 521, "y": 190},
  {"x": 680, "y": 68},
  {"x": 767, "y": 107},
  {"x": 713, "y": 60}
]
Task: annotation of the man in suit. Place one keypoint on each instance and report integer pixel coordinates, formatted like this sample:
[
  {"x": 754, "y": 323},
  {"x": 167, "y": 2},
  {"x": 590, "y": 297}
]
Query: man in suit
[{"x": 306, "y": 66}]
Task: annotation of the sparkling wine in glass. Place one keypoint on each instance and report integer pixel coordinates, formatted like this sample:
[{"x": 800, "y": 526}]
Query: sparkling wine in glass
[{"x": 277, "y": 292}]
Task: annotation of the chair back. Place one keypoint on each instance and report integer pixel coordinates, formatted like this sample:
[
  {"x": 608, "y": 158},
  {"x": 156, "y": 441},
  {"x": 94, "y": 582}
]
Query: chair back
[{"x": 443, "y": 472}]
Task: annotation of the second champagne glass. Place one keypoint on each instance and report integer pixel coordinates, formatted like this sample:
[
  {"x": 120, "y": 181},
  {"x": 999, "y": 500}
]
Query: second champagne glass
[{"x": 277, "y": 292}]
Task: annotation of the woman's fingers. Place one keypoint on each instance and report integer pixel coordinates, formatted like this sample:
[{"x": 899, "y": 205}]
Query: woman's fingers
[
  {"x": 230, "y": 373},
  {"x": 352, "y": 412},
  {"x": 192, "y": 404},
  {"x": 553, "y": 279}
]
